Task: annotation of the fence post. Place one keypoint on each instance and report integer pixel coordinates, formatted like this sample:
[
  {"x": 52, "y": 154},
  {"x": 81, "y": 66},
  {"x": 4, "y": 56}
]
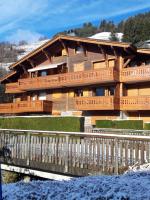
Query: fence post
[
  {"x": 28, "y": 147},
  {"x": 67, "y": 153},
  {"x": 116, "y": 156}
]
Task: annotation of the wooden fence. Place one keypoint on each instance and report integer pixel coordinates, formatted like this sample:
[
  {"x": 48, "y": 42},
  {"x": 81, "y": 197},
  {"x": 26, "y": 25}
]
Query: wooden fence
[{"x": 72, "y": 153}]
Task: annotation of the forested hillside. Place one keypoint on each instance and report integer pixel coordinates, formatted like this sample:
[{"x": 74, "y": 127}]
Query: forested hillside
[{"x": 135, "y": 29}]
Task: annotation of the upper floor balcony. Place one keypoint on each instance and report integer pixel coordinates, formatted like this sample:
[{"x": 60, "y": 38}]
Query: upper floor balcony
[
  {"x": 135, "y": 74},
  {"x": 96, "y": 103},
  {"x": 88, "y": 77},
  {"x": 13, "y": 88},
  {"x": 26, "y": 107},
  {"x": 135, "y": 103}
]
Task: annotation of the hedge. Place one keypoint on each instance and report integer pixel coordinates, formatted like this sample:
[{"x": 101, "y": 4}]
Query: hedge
[
  {"x": 104, "y": 124},
  {"x": 120, "y": 124},
  {"x": 69, "y": 124},
  {"x": 146, "y": 126}
]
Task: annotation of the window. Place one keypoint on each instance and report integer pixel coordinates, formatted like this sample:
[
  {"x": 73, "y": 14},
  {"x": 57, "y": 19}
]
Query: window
[
  {"x": 42, "y": 96},
  {"x": 100, "y": 91},
  {"x": 43, "y": 73},
  {"x": 99, "y": 64},
  {"x": 79, "y": 50}
]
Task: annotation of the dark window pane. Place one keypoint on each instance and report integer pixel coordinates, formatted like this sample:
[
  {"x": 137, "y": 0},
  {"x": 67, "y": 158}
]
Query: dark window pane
[
  {"x": 111, "y": 91},
  {"x": 100, "y": 91}
]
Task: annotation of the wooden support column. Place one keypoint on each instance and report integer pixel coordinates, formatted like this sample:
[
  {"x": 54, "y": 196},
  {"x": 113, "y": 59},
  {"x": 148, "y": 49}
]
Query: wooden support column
[
  {"x": 119, "y": 90},
  {"x": 102, "y": 50}
]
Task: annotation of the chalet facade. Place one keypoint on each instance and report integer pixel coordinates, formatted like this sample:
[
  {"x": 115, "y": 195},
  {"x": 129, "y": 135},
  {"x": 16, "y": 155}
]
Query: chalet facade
[{"x": 81, "y": 76}]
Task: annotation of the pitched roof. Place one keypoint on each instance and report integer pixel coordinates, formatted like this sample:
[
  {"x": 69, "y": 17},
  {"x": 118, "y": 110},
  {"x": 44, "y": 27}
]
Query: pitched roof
[{"x": 72, "y": 38}]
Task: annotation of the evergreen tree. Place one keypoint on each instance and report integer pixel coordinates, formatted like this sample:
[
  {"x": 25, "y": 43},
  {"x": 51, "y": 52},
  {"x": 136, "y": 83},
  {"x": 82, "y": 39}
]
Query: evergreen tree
[{"x": 113, "y": 36}]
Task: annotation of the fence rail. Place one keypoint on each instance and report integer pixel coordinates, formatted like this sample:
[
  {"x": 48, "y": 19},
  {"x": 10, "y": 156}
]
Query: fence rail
[{"x": 75, "y": 153}]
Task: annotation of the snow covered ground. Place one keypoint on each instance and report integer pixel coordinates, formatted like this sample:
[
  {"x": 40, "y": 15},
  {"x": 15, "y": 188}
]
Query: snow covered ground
[{"x": 130, "y": 186}]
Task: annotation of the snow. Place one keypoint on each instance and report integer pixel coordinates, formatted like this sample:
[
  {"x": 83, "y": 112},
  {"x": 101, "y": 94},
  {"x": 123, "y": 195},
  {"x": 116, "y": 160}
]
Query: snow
[
  {"x": 24, "y": 50},
  {"x": 27, "y": 48},
  {"x": 139, "y": 168},
  {"x": 132, "y": 185},
  {"x": 106, "y": 36}
]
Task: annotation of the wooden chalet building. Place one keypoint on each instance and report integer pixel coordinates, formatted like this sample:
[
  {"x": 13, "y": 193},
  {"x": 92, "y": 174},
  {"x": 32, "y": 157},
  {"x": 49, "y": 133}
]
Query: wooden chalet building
[{"x": 81, "y": 76}]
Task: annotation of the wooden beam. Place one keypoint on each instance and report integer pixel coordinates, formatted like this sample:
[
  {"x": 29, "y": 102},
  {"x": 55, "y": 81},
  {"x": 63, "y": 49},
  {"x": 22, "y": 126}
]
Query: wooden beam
[
  {"x": 126, "y": 63},
  {"x": 114, "y": 51},
  {"x": 31, "y": 62},
  {"x": 47, "y": 55},
  {"x": 64, "y": 46},
  {"x": 24, "y": 69}
]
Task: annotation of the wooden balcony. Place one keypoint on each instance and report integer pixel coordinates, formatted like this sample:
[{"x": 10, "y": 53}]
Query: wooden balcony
[
  {"x": 95, "y": 103},
  {"x": 135, "y": 103},
  {"x": 135, "y": 74},
  {"x": 13, "y": 88},
  {"x": 69, "y": 79},
  {"x": 26, "y": 107}
]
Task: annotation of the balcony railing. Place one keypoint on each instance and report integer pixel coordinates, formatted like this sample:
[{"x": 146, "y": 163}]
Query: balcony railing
[
  {"x": 26, "y": 107},
  {"x": 95, "y": 103},
  {"x": 135, "y": 103},
  {"x": 69, "y": 79},
  {"x": 12, "y": 88},
  {"x": 133, "y": 74}
]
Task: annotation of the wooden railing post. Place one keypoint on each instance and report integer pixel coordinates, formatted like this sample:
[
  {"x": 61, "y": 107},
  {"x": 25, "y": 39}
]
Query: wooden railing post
[
  {"x": 67, "y": 153},
  {"x": 116, "y": 157},
  {"x": 28, "y": 147}
]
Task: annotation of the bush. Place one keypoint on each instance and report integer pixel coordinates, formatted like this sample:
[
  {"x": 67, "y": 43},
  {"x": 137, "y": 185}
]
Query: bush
[
  {"x": 122, "y": 124},
  {"x": 104, "y": 124},
  {"x": 74, "y": 124},
  {"x": 10, "y": 177},
  {"x": 146, "y": 126},
  {"x": 129, "y": 124}
]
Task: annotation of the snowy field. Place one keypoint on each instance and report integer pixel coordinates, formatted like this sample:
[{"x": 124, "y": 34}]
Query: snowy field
[{"x": 135, "y": 184}]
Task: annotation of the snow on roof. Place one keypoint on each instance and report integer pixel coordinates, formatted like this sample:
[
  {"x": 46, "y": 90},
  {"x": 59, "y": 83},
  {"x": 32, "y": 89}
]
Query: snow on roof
[{"x": 106, "y": 36}]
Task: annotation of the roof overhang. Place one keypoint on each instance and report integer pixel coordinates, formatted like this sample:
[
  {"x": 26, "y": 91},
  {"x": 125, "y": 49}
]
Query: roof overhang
[
  {"x": 44, "y": 67},
  {"x": 73, "y": 38}
]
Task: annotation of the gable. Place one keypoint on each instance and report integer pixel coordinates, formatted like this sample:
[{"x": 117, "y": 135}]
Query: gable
[{"x": 61, "y": 42}]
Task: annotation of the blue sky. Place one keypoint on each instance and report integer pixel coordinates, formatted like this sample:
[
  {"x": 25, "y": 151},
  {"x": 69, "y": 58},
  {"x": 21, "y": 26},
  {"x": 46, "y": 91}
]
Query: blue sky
[{"x": 31, "y": 19}]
